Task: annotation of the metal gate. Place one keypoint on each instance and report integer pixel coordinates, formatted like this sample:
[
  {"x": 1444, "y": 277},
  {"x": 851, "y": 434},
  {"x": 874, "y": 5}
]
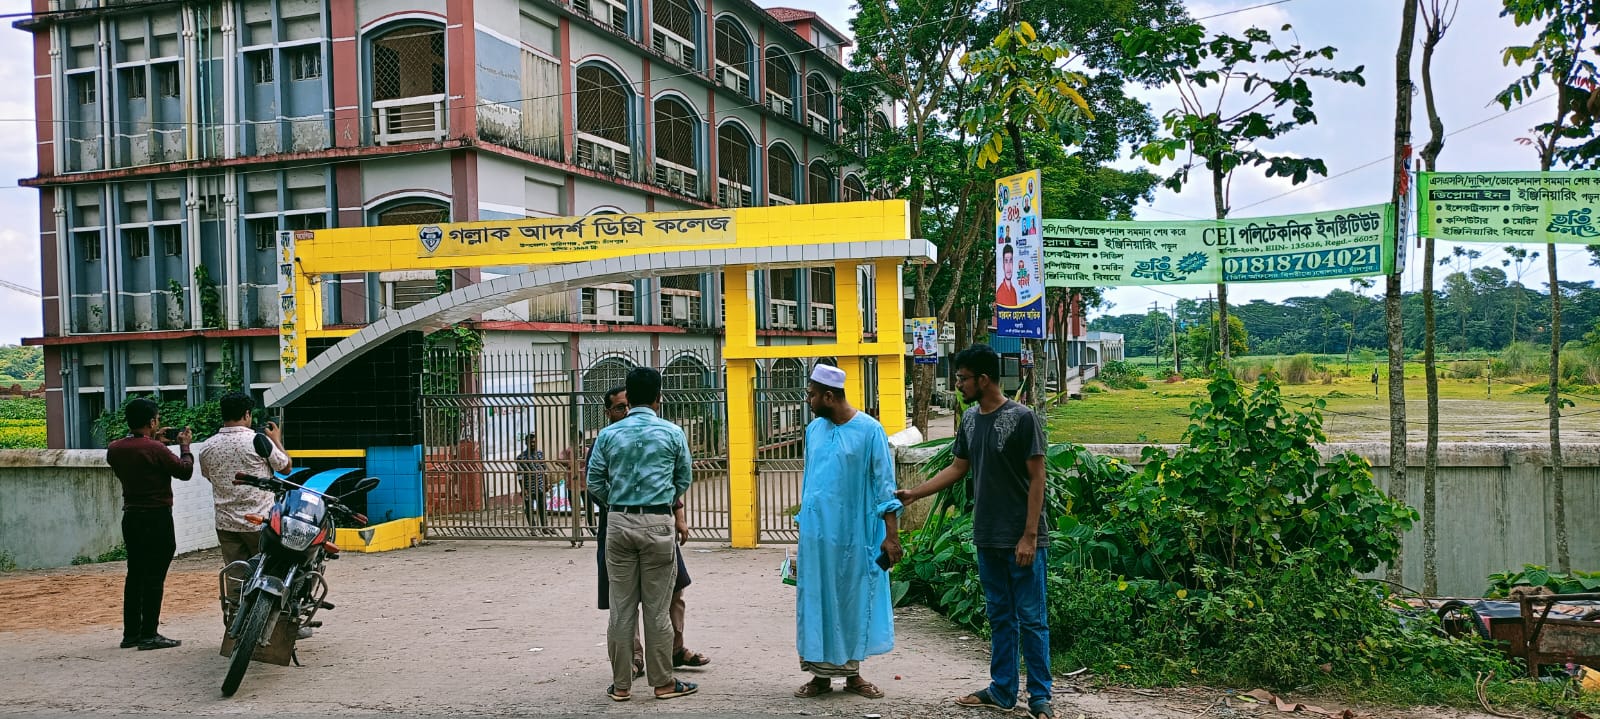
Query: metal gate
[
  {"x": 506, "y": 437},
  {"x": 781, "y": 416}
]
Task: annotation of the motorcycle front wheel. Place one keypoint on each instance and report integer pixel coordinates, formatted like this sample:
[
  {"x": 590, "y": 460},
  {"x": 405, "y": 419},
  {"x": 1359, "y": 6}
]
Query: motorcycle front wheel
[{"x": 256, "y": 611}]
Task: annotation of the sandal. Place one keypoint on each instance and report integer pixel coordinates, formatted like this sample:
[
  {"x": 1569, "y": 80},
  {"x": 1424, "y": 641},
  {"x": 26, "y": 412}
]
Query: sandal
[
  {"x": 863, "y": 689},
  {"x": 1042, "y": 710},
  {"x": 679, "y": 689},
  {"x": 611, "y": 691},
  {"x": 686, "y": 658},
  {"x": 983, "y": 700},
  {"x": 638, "y": 665},
  {"x": 814, "y": 688}
]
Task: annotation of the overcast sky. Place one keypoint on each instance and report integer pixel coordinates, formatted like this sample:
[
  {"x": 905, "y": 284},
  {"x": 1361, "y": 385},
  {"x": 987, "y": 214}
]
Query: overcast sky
[{"x": 1354, "y": 136}]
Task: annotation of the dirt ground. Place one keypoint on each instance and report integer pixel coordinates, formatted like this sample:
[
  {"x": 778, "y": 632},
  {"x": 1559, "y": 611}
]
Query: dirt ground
[{"x": 494, "y": 629}]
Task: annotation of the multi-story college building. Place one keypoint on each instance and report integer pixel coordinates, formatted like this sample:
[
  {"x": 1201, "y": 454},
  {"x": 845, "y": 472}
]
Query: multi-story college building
[{"x": 177, "y": 138}]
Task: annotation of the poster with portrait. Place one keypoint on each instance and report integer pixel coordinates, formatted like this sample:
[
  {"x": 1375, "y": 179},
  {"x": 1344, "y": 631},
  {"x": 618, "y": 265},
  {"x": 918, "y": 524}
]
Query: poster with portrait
[
  {"x": 925, "y": 340},
  {"x": 1018, "y": 257}
]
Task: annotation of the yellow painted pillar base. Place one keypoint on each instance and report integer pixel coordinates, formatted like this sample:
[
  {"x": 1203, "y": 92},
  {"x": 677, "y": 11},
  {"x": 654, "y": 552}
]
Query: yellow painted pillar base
[{"x": 743, "y": 497}]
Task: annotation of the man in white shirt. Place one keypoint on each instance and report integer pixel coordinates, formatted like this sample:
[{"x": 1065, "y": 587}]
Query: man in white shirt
[{"x": 230, "y": 451}]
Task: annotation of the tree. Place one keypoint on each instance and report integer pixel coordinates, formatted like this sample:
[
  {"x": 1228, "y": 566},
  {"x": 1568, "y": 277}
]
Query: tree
[
  {"x": 1358, "y": 286},
  {"x": 1394, "y": 330},
  {"x": 1228, "y": 109},
  {"x": 1520, "y": 260},
  {"x": 1557, "y": 53},
  {"x": 1201, "y": 341},
  {"x": 1436, "y": 18}
]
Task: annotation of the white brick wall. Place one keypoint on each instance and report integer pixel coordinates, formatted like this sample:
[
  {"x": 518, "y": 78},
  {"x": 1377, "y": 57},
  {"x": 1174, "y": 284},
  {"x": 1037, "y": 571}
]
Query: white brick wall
[{"x": 193, "y": 517}]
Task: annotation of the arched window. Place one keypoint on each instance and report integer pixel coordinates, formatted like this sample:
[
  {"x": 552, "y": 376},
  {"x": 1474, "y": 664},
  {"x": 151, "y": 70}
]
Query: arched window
[
  {"x": 677, "y": 153},
  {"x": 782, "y": 83},
  {"x": 734, "y": 56},
  {"x": 686, "y": 372},
  {"x": 674, "y": 33},
  {"x": 788, "y": 372},
  {"x": 854, "y": 190},
  {"x": 605, "y": 122},
  {"x": 400, "y": 294},
  {"x": 597, "y": 380},
  {"x": 819, "y": 184},
  {"x": 819, "y": 105},
  {"x": 735, "y": 166},
  {"x": 412, "y": 211},
  {"x": 783, "y": 176},
  {"x": 408, "y": 84}
]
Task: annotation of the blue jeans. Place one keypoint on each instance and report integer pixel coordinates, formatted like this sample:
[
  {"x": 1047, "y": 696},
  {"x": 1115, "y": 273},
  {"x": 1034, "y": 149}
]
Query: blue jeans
[{"x": 1017, "y": 614}]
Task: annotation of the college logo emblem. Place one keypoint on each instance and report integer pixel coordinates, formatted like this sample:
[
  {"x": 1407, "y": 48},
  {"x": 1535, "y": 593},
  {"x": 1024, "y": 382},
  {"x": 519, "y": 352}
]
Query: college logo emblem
[{"x": 431, "y": 236}]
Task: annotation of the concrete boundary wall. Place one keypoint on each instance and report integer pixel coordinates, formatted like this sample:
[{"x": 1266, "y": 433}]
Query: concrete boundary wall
[
  {"x": 1495, "y": 504},
  {"x": 57, "y": 504}
]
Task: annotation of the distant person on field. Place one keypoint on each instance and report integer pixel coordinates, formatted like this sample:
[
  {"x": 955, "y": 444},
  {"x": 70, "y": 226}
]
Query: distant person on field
[
  {"x": 1002, "y": 443},
  {"x": 146, "y": 468},
  {"x": 848, "y": 517},
  {"x": 230, "y": 451},
  {"x": 639, "y": 467}
]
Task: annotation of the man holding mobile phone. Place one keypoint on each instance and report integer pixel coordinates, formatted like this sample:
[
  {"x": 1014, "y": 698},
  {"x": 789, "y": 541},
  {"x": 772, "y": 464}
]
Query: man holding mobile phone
[
  {"x": 230, "y": 451},
  {"x": 849, "y": 536},
  {"x": 146, "y": 468}
]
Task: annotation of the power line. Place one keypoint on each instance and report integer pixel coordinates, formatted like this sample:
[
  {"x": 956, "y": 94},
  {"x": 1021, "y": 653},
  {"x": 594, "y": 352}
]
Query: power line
[{"x": 1243, "y": 9}]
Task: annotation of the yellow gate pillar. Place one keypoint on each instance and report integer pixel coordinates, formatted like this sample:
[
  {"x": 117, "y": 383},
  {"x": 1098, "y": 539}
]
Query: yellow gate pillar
[
  {"x": 740, "y": 324},
  {"x": 891, "y": 328}
]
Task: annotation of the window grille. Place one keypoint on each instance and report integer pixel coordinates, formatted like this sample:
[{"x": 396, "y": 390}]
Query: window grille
[
  {"x": 133, "y": 83},
  {"x": 820, "y": 187},
  {"x": 171, "y": 239},
  {"x": 261, "y": 67},
  {"x": 305, "y": 63},
  {"x": 408, "y": 63},
  {"x": 263, "y": 233},
  {"x": 137, "y": 240},
  {"x": 780, "y": 175}
]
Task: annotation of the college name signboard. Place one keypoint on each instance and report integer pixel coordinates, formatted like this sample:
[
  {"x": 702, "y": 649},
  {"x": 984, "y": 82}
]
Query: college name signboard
[
  {"x": 556, "y": 236},
  {"x": 1509, "y": 206},
  {"x": 1357, "y": 242}
]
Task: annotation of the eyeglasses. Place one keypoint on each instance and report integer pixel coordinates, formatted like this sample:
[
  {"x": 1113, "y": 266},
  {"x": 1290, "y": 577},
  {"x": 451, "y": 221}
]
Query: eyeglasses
[
  {"x": 617, "y": 408},
  {"x": 964, "y": 378}
]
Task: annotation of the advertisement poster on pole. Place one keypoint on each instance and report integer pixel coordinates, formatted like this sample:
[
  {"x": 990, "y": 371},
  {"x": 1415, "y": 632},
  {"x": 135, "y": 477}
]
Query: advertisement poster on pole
[
  {"x": 925, "y": 340},
  {"x": 1019, "y": 257}
]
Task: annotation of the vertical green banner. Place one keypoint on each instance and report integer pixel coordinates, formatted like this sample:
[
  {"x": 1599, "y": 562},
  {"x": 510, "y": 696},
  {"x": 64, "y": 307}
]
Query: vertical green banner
[{"x": 1509, "y": 206}]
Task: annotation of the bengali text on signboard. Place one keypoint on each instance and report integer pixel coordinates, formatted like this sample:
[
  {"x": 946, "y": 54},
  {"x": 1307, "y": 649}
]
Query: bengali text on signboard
[
  {"x": 565, "y": 235},
  {"x": 1356, "y": 242},
  {"x": 1509, "y": 206}
]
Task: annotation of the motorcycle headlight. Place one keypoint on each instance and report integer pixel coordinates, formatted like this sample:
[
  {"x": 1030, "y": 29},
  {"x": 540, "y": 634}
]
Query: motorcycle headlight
[{"x": 297, "y": 533}]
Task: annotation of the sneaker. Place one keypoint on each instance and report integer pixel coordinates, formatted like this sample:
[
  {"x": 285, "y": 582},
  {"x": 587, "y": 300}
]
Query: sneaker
[{"x": 158, "y": 642}]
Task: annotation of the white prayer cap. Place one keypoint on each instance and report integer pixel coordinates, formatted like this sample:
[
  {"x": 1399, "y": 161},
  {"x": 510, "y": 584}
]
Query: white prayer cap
[{"x": 828, "y": 376}]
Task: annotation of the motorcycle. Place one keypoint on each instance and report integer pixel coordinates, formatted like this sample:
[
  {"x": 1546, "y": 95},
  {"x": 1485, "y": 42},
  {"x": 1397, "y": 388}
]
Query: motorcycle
[{"x": 280, "y": 590}]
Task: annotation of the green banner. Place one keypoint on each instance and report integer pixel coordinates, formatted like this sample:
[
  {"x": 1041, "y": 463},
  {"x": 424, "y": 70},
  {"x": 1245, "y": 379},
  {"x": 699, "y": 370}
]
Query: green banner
[
  {"x": 1358, "y": 242},
  {"x": 1509, "y": 206}
]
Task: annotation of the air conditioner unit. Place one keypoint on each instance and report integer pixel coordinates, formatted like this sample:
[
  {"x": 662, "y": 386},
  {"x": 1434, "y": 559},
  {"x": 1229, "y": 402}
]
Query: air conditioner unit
[
  {"x": 674, "y": 49},
  {"x": 819, "y": 125},
  {"x": 776, "y": 200},
  {"x": 734, "y": 80},
  {"x": 780, "y": 104}
]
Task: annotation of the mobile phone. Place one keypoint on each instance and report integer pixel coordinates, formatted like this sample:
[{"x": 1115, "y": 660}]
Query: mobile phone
[
  {"x": 169, "y": 434},
  {"x": 884, "y": 562}
]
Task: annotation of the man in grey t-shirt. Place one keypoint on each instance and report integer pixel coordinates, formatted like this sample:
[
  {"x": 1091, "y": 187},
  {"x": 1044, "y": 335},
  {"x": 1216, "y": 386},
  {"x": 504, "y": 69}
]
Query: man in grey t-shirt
[{"x": 1002, "y": 443}]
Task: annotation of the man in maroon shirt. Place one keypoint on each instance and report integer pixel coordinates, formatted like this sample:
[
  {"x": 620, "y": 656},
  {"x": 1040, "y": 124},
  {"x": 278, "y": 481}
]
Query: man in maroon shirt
[{"x": 146, "y": 468}]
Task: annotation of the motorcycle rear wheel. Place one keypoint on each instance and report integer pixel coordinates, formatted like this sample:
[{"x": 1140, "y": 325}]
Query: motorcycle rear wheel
[{"x": 256, "y": 612}]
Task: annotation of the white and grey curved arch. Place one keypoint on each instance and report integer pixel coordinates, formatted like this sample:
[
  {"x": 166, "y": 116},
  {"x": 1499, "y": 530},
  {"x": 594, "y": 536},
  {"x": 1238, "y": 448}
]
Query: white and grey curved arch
[{"x": 448, "y": 309}]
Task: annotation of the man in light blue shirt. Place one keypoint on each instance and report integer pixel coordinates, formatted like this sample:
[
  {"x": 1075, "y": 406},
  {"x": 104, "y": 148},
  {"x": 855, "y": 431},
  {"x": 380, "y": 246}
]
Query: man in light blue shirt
[{"x": 639, "y": 466}]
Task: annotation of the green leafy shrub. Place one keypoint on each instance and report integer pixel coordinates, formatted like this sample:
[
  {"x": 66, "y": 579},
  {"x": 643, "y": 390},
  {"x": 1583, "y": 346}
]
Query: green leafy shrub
[
  {"x": 23, "y": 434},
  {"x": 8, "y": 563},
  {"x": 22, "y": 408},
  {"x": 1121, "y": 375},
  {"x": 1535, "y": 575}
]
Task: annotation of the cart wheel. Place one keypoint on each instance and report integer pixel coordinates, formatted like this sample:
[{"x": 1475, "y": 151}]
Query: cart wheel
[{"x": 1457, "y": 611}]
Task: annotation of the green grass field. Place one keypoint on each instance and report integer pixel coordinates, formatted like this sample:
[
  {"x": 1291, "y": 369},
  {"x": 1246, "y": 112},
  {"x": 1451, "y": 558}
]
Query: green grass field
[{"x": 1470, "y": 409}]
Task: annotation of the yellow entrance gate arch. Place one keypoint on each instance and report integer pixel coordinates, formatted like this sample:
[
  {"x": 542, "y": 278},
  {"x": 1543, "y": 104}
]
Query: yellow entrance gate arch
[{"x": 566, "y": 252}]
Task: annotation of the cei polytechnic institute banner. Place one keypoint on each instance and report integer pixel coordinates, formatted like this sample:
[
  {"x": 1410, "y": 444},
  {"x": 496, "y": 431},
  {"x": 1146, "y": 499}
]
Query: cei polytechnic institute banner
[
  {"x": 1018, "y": 257},
  {"x": 1509, "y": 206},
  {"x": 1357, "y": 242}
]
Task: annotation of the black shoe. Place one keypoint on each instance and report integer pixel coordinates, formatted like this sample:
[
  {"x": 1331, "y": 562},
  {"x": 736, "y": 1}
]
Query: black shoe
[
  {"x": 158, "y": 642},
  {"x": 130, "y": 643}
]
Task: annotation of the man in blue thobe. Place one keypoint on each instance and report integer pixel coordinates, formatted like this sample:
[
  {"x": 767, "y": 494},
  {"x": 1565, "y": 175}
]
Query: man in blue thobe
[{"x": 848, "y": 517}]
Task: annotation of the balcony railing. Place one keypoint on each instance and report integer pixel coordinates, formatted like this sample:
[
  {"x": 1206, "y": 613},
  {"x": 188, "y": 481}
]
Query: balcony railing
[
  {"x": 673, "y": 47},
  {"x": 735, "y": 80},
  {"x": 409, "y": 119},
  {"x": 603, "y": 156},
  {"x": 780, "y": 104},
  {"x": 672, "y": 176}
]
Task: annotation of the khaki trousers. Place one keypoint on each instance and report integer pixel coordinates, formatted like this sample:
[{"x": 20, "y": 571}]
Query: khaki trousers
[
  {"x": 237, "y": 546},
  {"x": 641, "y": 567}
]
